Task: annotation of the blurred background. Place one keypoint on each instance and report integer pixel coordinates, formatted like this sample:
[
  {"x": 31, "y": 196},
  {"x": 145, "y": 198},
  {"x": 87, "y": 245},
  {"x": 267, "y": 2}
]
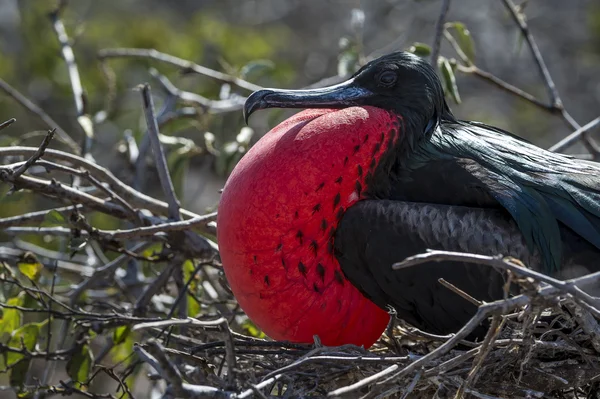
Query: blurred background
[
  {"x": 276, "y": 43},
  {"x": 289, "y": 43}
]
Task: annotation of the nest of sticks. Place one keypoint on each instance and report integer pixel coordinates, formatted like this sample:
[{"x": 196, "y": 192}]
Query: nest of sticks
[{"x": 543, "y": 343}]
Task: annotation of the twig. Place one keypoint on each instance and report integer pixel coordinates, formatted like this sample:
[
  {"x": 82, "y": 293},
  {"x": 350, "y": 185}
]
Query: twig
[
  {"x": 363, "y": 383},
  {"x": 459, "y": 292},
  {"x": 225, "y": 335},
  {"x": 485, "y": 310},
  {"x": 84, "y": 121},
  {"x": 57, "y": 190},
  {"x": 179, "y": 62},
  {"x": 135, "y": 197},
  {"x": 7, "y": 123},
  {"x": 35, "y": 217},
  {"x": 157, "y": 358},
  {"x": 501, "y": 263},
  {"x": 101, "y": 274},
  {"x": 576, "y": 135},
  {"x": 157, "y": 284},
  {"x": 212, "y": 106},
  {"x": 31, "y": 107},
  {"x": 484, "y": 350},
  {"x": 519, "y": 18},
  {"x": 146, "y": 231},
  {"x": 38, "y": 154},
  {"x": 439, "y": 29},
  {"x": 159, "y": 155}
]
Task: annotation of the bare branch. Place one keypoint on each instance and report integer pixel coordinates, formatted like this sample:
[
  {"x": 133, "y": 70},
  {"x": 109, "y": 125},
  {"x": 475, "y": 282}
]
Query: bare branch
[
  {"x": 235, "y": 103},
  {"x": 503, "y": 263},
  {"x": 7, "y": 123},
  {"x": 439, "y": 30},
  {"x": 576, "y": 135},
  {"x": 519, "y": 18},
  {"x": 84, "y": 120},
  {"x": 185, "y": 65},
  {"x": 159, "y": 155},
  {"x": 35, "y": 157},
  {"x": 135, "y": 197},
  {"x": 31, "y": 107}
]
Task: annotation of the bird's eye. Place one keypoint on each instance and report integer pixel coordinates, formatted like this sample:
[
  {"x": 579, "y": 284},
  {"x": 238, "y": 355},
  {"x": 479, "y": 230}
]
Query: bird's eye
[{"x": 387, "y": 78}]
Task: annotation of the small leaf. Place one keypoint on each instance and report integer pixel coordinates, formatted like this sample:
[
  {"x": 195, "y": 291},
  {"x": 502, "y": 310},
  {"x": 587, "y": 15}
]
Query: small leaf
[
  {"x": 449, "y": 79},
  {"x": 120, "y": 334},
  {"x": 23, "y": 338},
  {"x": 80, "y": 365},
  {"x": 18, "y": 373},
  {"x": 465, "y": 40},
  {"x": 193, "y": 307},
  {"x": 251, "y": 329},
  {"x": 54, "y": 218},
  {"x": 11, "y": 318},
  {"x": 420, "y": 49},
  {"x": 30, "y": 266}
]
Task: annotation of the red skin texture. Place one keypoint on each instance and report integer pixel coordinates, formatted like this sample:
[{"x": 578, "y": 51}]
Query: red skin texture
[{"x": 277, "y": 217}]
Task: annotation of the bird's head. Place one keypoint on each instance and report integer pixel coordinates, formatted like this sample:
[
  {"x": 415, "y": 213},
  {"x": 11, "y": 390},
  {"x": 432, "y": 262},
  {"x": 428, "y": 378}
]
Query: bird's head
[{"x": 400, "y": 82}]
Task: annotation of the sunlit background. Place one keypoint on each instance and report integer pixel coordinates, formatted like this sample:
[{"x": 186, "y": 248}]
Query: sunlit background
[{"x": 275, "y": 43}]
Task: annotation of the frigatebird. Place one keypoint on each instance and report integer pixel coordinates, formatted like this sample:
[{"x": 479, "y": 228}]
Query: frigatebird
[{"x": 378, "y": 169}]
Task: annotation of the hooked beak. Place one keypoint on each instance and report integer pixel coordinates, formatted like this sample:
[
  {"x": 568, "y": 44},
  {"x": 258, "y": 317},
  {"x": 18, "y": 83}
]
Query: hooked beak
[{"x": 345, "y": 94}]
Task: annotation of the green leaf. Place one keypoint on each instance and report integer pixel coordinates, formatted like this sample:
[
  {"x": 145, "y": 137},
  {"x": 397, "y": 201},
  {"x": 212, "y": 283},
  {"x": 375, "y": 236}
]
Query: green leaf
[
  {"x": 449, "y": 79},
  {"x": 18, "y": 373},
  {"x": 120, "y": 334},
  {"x": 465, "y": 40},
  {"x": 30, "y": 267},
  {"x": 54, "y": 218},
  {"x": 11, "y": 318},
  {"x": 420, "y": 49},
  {"x": 23, "y": 338},
  {"x": 80, "y": 365},
  {"x": 193, "y": 307},
  {"x": 252, "y": 329}
]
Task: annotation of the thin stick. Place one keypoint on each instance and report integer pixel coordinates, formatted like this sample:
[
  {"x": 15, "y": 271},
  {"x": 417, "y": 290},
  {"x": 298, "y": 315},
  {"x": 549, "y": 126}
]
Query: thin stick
[
  {"x": 439, "y": 30},
  {"x": 179, "y": 62},
  {"x": 233, "y": 104},
  {"x": 576, "y": 135},
  {"x": 85, "y": 122},
  {"x": 34, "y": 217},
  {"x": 34, "y": 109},
  {"x": 501, "y": 263},
  {"x": 7, "y": 123},
  {"x": 158, "y": 228},
  {"x": 519, "y": 18},
  {"x": 36, "y": 156},
  {"x": 459, "y": 292},
  {"x": 159, "y": 155},
  {"x": 135, "y": 197}
]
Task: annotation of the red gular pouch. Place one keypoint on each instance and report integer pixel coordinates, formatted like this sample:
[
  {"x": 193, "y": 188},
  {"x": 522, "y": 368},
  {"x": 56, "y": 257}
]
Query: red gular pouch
[{"x": 277, "y": 220}]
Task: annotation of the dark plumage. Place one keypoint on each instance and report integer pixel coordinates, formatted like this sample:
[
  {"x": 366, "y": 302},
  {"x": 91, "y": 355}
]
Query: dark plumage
[{"x": 451, "y": 185}]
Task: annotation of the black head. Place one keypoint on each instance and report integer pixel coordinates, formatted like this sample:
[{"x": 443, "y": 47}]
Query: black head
[{"x": 401, "y": 82}]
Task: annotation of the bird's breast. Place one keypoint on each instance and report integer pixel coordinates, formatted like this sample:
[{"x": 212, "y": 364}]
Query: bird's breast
[{"x": 277, "y": 219}]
